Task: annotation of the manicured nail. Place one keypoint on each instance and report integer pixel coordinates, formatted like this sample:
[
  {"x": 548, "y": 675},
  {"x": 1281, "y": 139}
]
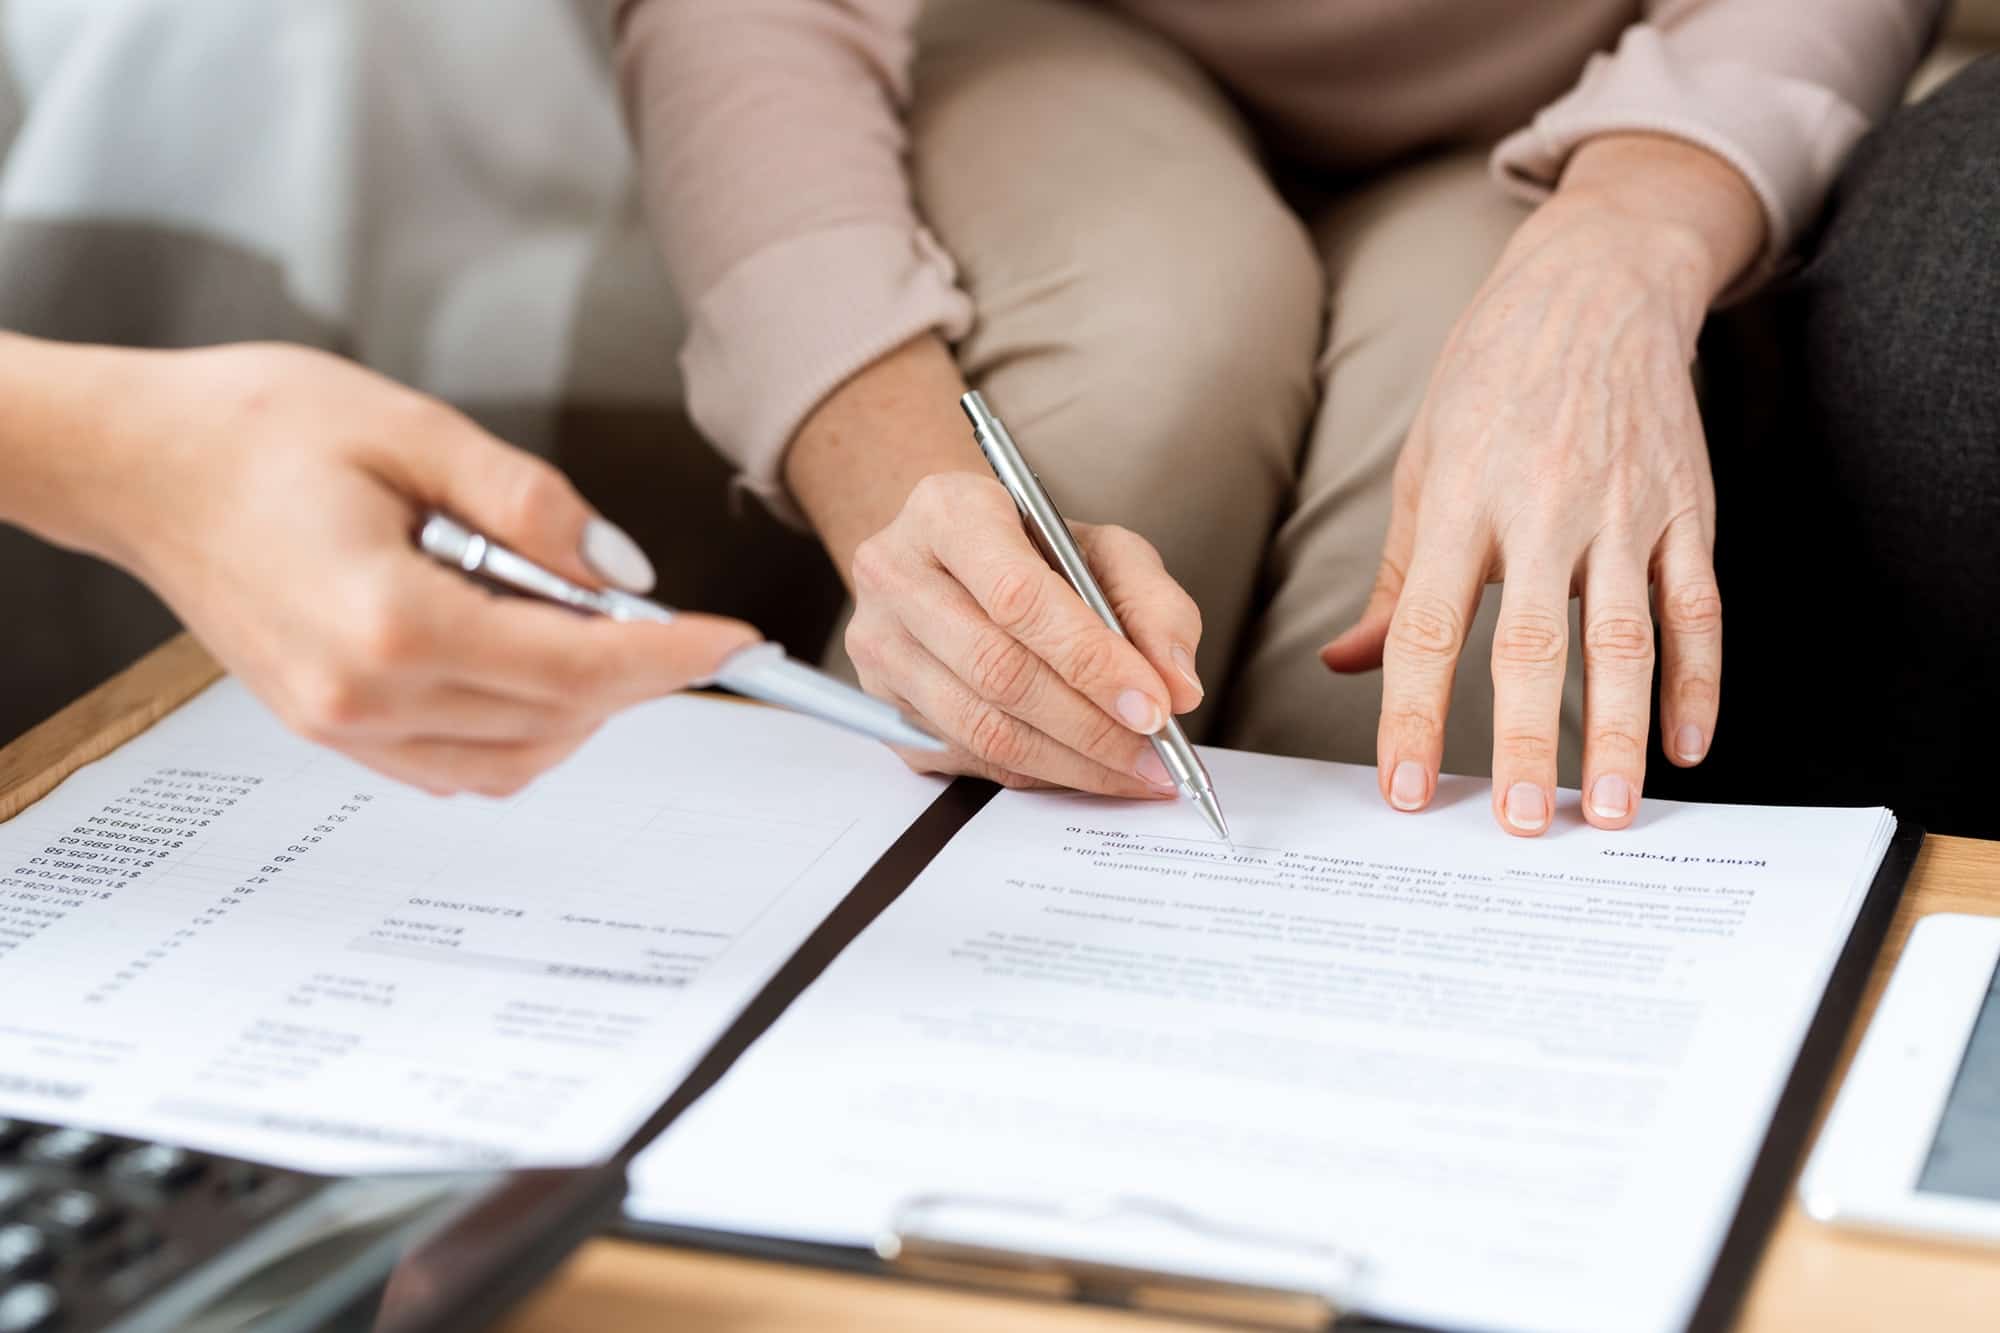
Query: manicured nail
[
  {"x": 1406, "y": 786},
  {"x": 616, "y": 557},
  {"x": 1140, "y": 713},
  {"x": 1689, "y": 745},
  {"x": 1150, "y": 769},
  {"x": 1527, "y": 808},
  {"x": 1611, "y": 797},
  {"x": 1184, "y": 663}
]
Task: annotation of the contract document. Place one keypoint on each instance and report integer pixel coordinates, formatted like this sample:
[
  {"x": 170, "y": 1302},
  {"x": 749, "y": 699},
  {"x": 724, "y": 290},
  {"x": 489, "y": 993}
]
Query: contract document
[
  {"x": 1521, "y": 1082},
  {"x": 224, "y": 937}
]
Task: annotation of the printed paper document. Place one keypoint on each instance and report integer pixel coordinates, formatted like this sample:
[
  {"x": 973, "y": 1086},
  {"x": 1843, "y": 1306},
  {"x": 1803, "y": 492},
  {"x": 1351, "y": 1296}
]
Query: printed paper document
[
  {"x": 225, "y": 937},
  {"x": 1522, "y": 1080}
]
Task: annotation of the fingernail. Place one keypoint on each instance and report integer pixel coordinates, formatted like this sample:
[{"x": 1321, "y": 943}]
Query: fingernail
[
  {"x": 616, "y": 557},
  {"x": 1610, "y": 797},
  {"x": 1184, "y": 663},
  {"x": 1406, "y": 786},
  {"x": 1140, "y": 713},
  {"x": 1688, "y": 743},
  {"x": 1527, "y": 808},
  {"x": 1152, "y": 770}
]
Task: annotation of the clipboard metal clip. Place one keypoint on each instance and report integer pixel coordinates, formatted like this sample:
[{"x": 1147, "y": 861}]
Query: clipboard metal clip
[{"x": 1111, "y": 1251}]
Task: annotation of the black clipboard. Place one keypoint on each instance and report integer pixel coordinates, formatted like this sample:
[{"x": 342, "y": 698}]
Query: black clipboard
[{"x": 1018, "y": 1273}]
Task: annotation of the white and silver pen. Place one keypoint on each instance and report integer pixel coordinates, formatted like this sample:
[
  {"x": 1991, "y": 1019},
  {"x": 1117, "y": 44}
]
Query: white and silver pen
[
  {"x": 1051, "y": 535},
  {"x": 761, "y": 671}
]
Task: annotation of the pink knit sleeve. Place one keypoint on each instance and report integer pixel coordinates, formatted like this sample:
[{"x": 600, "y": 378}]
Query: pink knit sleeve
[
  {"x": 1780, "y": 89},
  {"x": 771, "y": 149}
]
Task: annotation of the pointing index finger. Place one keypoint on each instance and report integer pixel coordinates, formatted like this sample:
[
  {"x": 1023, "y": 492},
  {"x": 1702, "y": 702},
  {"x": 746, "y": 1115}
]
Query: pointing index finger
[{"x": 1419, "y": 661}]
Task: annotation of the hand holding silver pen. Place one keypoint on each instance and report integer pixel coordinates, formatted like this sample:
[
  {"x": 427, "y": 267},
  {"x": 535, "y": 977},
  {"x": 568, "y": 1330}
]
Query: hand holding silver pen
[
  {"x": 962, "y": 621},
  {"x": 1052, "y": 537},
  {"x": 269, "y": 495}
]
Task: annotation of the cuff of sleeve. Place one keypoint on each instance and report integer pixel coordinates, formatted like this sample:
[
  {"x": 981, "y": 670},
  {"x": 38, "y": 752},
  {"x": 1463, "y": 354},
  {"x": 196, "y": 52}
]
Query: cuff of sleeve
[
  {"x": 790, "y": 324},
  {"x": 1787, "y": 137}
]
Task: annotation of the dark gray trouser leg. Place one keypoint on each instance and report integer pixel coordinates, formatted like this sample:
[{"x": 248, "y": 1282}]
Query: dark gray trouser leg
[{"x": 1855, "y": 428}]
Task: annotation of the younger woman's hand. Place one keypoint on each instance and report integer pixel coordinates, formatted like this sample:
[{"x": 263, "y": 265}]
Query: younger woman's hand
[{"x": 269, "y": 494}]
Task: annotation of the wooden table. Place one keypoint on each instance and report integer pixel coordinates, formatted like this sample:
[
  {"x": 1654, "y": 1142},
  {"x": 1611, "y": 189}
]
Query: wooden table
[{"x": 1812, "y": 1277}]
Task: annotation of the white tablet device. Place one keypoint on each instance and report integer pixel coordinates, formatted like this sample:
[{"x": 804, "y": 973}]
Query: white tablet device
[{"x": 1913, "y": 1144}]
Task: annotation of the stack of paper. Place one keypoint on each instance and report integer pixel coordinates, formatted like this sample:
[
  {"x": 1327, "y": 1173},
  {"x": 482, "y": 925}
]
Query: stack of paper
[{"x": 1468, "y": 1080}]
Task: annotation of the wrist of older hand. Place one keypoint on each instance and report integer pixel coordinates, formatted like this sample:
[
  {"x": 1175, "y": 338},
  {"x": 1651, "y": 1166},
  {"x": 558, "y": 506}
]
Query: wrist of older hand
[
  {"x": 856, "y": 459},
  {"x": 1676, "y": 208},
  {"x": 1591, "y": 250}
]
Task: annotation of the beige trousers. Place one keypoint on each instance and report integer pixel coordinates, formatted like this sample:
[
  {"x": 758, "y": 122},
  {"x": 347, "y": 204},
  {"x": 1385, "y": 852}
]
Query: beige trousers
[{"x": 1182, "y": 351}]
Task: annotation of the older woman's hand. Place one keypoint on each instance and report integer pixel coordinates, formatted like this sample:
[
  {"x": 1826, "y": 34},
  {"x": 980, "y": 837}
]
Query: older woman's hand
[{"x": 1560, "y": 451}]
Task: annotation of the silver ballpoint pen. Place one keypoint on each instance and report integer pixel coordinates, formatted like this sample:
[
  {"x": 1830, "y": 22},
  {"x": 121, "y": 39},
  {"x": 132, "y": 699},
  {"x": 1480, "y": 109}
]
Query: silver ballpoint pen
[
  {"x": 1051, "y": 535},
  {"x": 761, "y": 671}
]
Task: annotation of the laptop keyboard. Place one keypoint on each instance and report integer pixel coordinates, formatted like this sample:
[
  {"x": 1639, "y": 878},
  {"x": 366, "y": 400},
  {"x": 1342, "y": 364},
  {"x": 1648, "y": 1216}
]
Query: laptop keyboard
[{"x": 92, "y": 1225}]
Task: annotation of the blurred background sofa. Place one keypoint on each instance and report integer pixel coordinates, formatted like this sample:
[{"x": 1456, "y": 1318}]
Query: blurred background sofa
[{"x": 440, "y": 190}]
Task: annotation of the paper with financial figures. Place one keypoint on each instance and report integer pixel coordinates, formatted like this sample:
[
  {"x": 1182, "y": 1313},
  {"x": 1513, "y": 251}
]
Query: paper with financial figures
[
  {"x": 225, "y": 937},
  {"x": 1520, "y": 1081}
]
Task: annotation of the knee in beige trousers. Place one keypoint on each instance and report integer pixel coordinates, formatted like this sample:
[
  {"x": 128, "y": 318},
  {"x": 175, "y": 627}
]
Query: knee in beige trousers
[{"x": 1159, "y": 327}]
